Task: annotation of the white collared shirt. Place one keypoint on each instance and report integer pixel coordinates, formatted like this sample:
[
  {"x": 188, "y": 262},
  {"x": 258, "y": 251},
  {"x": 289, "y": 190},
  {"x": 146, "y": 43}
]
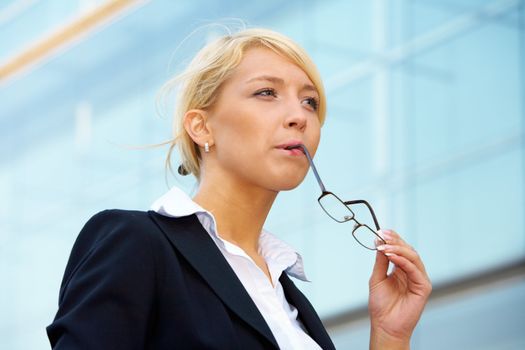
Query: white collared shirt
[{"x": 280, "y": 316}]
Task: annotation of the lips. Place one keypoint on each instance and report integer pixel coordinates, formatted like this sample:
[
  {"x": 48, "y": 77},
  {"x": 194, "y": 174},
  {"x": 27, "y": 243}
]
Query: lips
[
  {"x": 290, "y": 144},
  {"x": 292, "y": 147}
]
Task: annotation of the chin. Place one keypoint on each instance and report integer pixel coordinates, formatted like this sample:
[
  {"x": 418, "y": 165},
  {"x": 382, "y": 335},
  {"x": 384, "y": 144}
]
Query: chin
[
  {"x": 288, "y": 183},
  {"x": 288, "y": 187}
]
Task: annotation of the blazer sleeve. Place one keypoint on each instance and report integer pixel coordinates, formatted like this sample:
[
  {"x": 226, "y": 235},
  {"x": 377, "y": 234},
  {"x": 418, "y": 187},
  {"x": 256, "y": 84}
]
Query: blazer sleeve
[{"x": 108, "y": 287}]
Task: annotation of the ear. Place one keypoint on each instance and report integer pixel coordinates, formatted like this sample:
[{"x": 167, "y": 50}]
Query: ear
[{"x": 196, "y": 125}]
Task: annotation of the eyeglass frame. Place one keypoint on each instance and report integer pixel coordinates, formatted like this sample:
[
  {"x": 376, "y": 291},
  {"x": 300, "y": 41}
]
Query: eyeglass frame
[{"x": 324, "y": 193}]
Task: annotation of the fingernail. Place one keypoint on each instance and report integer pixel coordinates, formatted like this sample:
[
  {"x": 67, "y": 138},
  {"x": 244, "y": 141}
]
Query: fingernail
[
  {"x": 385, "y": 234},
  {"x": 389, "y": 254},
  {"x": 381, "y": 247}
]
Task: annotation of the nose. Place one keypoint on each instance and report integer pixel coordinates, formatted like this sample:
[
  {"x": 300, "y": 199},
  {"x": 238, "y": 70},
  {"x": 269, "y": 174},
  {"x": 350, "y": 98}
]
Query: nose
[{"x": 296, "y": 117}]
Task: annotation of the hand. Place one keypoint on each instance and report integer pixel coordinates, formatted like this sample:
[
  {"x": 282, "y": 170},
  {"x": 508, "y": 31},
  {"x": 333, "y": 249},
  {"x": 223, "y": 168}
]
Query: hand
[{"x": 396, "y": 300}]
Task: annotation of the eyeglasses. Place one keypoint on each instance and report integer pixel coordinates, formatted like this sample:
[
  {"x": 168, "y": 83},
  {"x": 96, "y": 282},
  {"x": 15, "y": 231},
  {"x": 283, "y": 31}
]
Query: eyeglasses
[{"x": 358, "y": 211}]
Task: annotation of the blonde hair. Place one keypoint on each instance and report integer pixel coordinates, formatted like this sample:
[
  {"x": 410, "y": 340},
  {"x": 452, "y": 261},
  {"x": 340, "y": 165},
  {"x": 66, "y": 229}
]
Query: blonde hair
[{"x": 200, "y": 82}]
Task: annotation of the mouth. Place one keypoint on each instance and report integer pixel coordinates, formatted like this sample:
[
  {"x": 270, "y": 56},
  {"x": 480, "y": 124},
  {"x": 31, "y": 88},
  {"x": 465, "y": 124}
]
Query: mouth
[{"x": 294, "y": 148}]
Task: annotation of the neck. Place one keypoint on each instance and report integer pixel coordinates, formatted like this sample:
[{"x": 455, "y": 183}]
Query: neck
[{"x": 239, "y": 210}]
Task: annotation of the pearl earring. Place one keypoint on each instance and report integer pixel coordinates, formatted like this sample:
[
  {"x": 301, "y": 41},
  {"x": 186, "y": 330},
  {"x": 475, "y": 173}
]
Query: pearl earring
[{"x": 206, "y": 147}]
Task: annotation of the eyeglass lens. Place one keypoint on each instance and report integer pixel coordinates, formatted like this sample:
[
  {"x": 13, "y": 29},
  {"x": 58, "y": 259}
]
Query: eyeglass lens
[
  {"x": 364, "y": 232},
  {"x": 359, "y": 213},
  {"x": 335, "y": 208}
]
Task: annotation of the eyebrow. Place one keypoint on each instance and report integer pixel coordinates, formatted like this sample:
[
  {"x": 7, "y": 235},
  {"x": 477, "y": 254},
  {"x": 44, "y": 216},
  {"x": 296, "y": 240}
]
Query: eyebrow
[{"x": 279, "y": 81}]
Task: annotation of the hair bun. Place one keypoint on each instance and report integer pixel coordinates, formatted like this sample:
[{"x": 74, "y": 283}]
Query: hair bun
[{"x": 182, "y": 170}]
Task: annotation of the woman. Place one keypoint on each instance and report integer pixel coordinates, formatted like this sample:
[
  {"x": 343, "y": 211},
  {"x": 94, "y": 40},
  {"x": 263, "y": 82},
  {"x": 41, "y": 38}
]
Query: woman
[{"x": 203, "y": 273}]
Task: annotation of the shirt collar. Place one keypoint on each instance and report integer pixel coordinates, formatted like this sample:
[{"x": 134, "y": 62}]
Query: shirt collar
[{"x": 175, "y": 203}]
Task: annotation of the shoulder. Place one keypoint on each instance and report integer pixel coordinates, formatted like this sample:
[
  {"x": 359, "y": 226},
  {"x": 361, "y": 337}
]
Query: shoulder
[
  {"x": 124, "y": 236},
  {"x": 113, "y": 235},
  {"x": 134, "y": 220},
  {"x": 119, "y": 217},
  {"x": 113, "y": 224},
  {"x": 125, "y": 232},
  {"x": 113, "y": 266}
]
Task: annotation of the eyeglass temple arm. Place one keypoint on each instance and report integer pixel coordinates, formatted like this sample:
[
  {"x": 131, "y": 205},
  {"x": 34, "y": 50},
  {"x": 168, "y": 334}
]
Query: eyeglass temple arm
[
  {"x": 312, "y": 165},
  {"x": 362, "y": 201}
]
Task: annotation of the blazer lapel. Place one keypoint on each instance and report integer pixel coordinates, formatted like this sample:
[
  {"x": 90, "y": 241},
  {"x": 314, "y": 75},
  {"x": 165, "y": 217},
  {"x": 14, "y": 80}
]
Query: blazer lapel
[
  {"x": 307, "y": 313},
  {"x": 194, "y": 243}
]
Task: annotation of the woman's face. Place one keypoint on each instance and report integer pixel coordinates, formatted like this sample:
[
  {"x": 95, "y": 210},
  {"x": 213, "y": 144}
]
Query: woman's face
[{"x": 268, "y": 103}]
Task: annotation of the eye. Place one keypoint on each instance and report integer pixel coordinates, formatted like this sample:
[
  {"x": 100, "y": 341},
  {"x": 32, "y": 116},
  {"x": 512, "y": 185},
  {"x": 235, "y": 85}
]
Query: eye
[
  {"x": 312, "y": 102},
  {"x": 266, "y": 92}
]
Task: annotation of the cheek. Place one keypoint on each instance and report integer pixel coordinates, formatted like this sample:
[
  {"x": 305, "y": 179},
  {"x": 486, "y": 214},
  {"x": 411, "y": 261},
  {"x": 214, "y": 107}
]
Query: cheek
[
  {"x": 314, "y": 136},
  {"x": 239, "y": 134},
  {"x": 244, "y": 129},
  {"x": 239, "y": 142}
]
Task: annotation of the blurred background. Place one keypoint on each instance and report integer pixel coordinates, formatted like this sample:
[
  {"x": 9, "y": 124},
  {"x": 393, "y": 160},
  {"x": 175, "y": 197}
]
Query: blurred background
[{"x": 425, "y": 120}]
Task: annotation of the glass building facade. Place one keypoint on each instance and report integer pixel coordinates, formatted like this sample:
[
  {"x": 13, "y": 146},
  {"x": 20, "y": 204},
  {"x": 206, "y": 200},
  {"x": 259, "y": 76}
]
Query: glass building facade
[{"x": 425, "y": 120}]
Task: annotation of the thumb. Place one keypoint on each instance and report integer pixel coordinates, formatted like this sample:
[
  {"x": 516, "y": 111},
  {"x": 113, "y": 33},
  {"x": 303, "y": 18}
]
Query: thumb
[{"x": 379, "y": 273}]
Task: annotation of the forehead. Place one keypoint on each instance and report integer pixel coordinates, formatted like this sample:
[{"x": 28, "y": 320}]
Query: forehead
[{"x": 265, "y": 62}]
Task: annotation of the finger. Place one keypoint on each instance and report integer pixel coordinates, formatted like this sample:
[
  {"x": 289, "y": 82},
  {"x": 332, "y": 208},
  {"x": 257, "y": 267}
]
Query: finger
[
  {"x": 405, "y": 251},
  {"x": 379, "y": 273},
  {"x": 417, "y": 282},
  {"x": 392, "y": 238}
]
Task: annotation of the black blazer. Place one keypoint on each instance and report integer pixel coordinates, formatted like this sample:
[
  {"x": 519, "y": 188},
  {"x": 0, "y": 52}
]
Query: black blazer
[{"x": 140, "y": 280}]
